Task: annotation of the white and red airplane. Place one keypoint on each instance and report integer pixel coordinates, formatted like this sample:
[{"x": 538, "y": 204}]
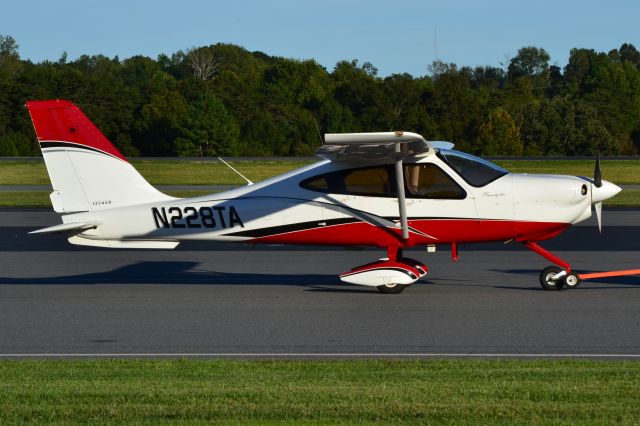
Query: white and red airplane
[{"x": 391, "y": 190}]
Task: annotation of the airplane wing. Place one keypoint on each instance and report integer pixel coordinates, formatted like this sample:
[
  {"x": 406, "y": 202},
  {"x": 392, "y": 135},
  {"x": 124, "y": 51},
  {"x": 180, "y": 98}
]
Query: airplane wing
[{"x": 378, "y": 147}]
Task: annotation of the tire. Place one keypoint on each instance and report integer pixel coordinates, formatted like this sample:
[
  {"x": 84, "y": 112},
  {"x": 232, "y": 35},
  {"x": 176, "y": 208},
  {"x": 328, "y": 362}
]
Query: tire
[
  {"x": 572, "y": 281},
  {"x": 391, "y": 288},
  {"x": 545, "y": 279}
]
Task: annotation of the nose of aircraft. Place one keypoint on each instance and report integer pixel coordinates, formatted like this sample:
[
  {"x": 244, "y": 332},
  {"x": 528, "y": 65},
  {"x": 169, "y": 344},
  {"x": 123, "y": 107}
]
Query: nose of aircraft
[{"x": 604, "y": 192}]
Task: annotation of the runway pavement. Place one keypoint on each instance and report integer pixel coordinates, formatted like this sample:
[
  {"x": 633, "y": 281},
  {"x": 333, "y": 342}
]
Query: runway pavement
[{"x": 233, "y": 300}]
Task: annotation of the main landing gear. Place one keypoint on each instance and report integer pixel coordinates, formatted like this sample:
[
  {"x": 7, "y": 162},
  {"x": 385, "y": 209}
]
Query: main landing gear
[
  {"x": 554, "y": 277},
  {"x": 390, "y": 275},
  {"x": 392, "y": 288}
]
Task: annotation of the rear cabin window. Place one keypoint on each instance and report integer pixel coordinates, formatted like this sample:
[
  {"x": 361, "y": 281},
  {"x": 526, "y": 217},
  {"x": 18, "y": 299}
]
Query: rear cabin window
[
  {"x": 430, "y": 181},
  {"x": 376, "y": 181}
]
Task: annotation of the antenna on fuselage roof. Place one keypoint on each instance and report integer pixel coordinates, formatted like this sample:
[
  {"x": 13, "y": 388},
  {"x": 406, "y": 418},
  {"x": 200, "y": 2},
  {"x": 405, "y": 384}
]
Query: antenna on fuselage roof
[
  {"x": 237, "y": 172},
  {"x": 318, "y": 130}
]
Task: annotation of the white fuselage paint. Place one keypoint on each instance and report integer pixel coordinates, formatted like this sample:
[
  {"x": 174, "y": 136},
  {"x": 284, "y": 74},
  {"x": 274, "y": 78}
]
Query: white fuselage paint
[{"x": 282, "y": 201}]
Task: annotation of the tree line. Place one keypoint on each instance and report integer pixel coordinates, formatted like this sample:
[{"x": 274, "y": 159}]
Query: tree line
[{"x": 225, "y": 100}]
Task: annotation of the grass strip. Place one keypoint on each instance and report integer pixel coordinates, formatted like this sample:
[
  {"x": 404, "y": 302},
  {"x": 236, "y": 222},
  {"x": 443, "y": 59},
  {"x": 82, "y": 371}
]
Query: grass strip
[
  {"x": 208, "y": 173},
  {"x": 159, "y": 172},
  {"x": 626, "y": 198},
  {"x": 621, "y": 172},
  {"x": 321, "y": 392}
]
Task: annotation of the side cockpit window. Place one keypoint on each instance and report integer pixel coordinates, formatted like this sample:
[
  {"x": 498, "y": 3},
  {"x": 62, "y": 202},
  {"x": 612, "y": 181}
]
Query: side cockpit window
[
  {"x": 368, "y": 181},
  {"x": 475, "y": 171},
  {"x": 430, "y": 181},
  {"x": 421, "y": 181}
]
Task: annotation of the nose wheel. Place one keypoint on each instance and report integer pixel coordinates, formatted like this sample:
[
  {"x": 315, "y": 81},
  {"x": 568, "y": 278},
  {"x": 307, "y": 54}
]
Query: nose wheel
[
  {"x": 546, "y": 278},
  {"x": 548, "y": 282}
]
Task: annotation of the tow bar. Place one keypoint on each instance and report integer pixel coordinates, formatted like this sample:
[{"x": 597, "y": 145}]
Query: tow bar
[{"x": 609, "y": 274}]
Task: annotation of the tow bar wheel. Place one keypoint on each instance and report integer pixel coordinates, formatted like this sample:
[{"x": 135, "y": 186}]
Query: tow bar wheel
[
  {"x": 546, "y": 278},
  {"x": 572, "y": 281}
]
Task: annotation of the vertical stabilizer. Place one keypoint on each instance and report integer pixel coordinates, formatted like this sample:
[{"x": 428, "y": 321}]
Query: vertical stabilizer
[{"x": 87, "y": 172}]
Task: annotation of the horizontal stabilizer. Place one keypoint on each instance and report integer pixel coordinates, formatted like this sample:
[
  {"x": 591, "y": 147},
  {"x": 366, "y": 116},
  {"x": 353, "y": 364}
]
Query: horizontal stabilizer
[
  {"x": 67, "y": 227},
  {"x": 124, "y": 244}
]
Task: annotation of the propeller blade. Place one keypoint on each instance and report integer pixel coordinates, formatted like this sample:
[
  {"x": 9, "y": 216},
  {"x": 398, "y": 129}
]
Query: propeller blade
[
  {"x": 598, "y": 208},
  {"x": 597, "y": 175}
]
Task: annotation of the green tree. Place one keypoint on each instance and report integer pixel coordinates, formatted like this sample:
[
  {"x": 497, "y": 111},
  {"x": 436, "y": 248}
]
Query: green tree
[
  {"x": 357, "y": 89},
  {"x": 455, "y": 107},
  {"x": 406, "y": 97},
  {"x": 563, "y": 126},
  {"x": 211, "y": 130},
  {"x": 9, "y": 57},
  {"x": 7, "y": 146},
  {"x": 628, "y": 52},
  {"x": 499, "y": 135},
  {"x": 529, "y": 62},
  {"x": 161, "y": 123},
  {"x": 258, "y": 104}
]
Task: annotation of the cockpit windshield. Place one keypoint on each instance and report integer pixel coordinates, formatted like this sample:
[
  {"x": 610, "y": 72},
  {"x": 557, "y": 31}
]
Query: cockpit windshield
[{"x": 474, "y": 170}]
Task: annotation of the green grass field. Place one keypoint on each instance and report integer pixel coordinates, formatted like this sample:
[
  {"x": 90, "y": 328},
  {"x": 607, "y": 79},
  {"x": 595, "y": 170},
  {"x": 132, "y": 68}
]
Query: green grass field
[
  {"x": 213, "y": 173},
  {"x": 320, "y": 392},
  {"x": 621, "y": 172},
  {"x": 162, "y": 172}
]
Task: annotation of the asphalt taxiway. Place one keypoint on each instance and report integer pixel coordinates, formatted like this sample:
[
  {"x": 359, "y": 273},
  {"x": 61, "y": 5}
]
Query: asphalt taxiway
[{"x": 213, "y": 299}]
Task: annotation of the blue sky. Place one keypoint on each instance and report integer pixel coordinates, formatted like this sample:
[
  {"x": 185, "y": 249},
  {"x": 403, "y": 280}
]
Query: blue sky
[{"x": 396, "y": 36}]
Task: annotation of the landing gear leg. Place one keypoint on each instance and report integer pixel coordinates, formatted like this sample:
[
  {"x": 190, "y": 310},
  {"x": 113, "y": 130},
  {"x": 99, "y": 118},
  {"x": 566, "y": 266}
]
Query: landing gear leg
[
  {"x": 554, "y": 277},
  {"x": 393, "y": 254}
]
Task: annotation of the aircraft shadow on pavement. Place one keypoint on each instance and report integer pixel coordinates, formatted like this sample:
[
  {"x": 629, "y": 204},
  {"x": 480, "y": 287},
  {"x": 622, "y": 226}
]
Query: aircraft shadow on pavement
[
  {"x": 627, "y": 281},
  {"x": 188, "y": 273}
]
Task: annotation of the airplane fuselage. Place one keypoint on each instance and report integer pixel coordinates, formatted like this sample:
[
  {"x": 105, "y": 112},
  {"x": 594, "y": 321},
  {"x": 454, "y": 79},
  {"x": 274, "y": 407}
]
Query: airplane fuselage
[{"x": 301, "y": 207}]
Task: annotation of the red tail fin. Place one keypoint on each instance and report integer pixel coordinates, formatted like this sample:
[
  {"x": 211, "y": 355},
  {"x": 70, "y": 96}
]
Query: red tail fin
[{"x": 61, "y": 123}]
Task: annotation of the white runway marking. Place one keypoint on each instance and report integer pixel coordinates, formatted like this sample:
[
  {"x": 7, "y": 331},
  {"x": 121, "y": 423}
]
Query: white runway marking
[{"x": 314, "y": 355}]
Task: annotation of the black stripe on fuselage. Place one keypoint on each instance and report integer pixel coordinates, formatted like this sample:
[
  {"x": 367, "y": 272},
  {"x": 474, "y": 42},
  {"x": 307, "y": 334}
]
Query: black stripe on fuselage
[
  {"x": 305, "y": 226},
  {"x": 59, "y": 144},
  {"x": 293, "y": 227}
]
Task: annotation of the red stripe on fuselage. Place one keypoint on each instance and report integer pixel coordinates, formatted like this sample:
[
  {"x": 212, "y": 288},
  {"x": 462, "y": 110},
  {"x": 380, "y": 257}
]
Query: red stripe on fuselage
[{"x": 442, "y": 230}]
